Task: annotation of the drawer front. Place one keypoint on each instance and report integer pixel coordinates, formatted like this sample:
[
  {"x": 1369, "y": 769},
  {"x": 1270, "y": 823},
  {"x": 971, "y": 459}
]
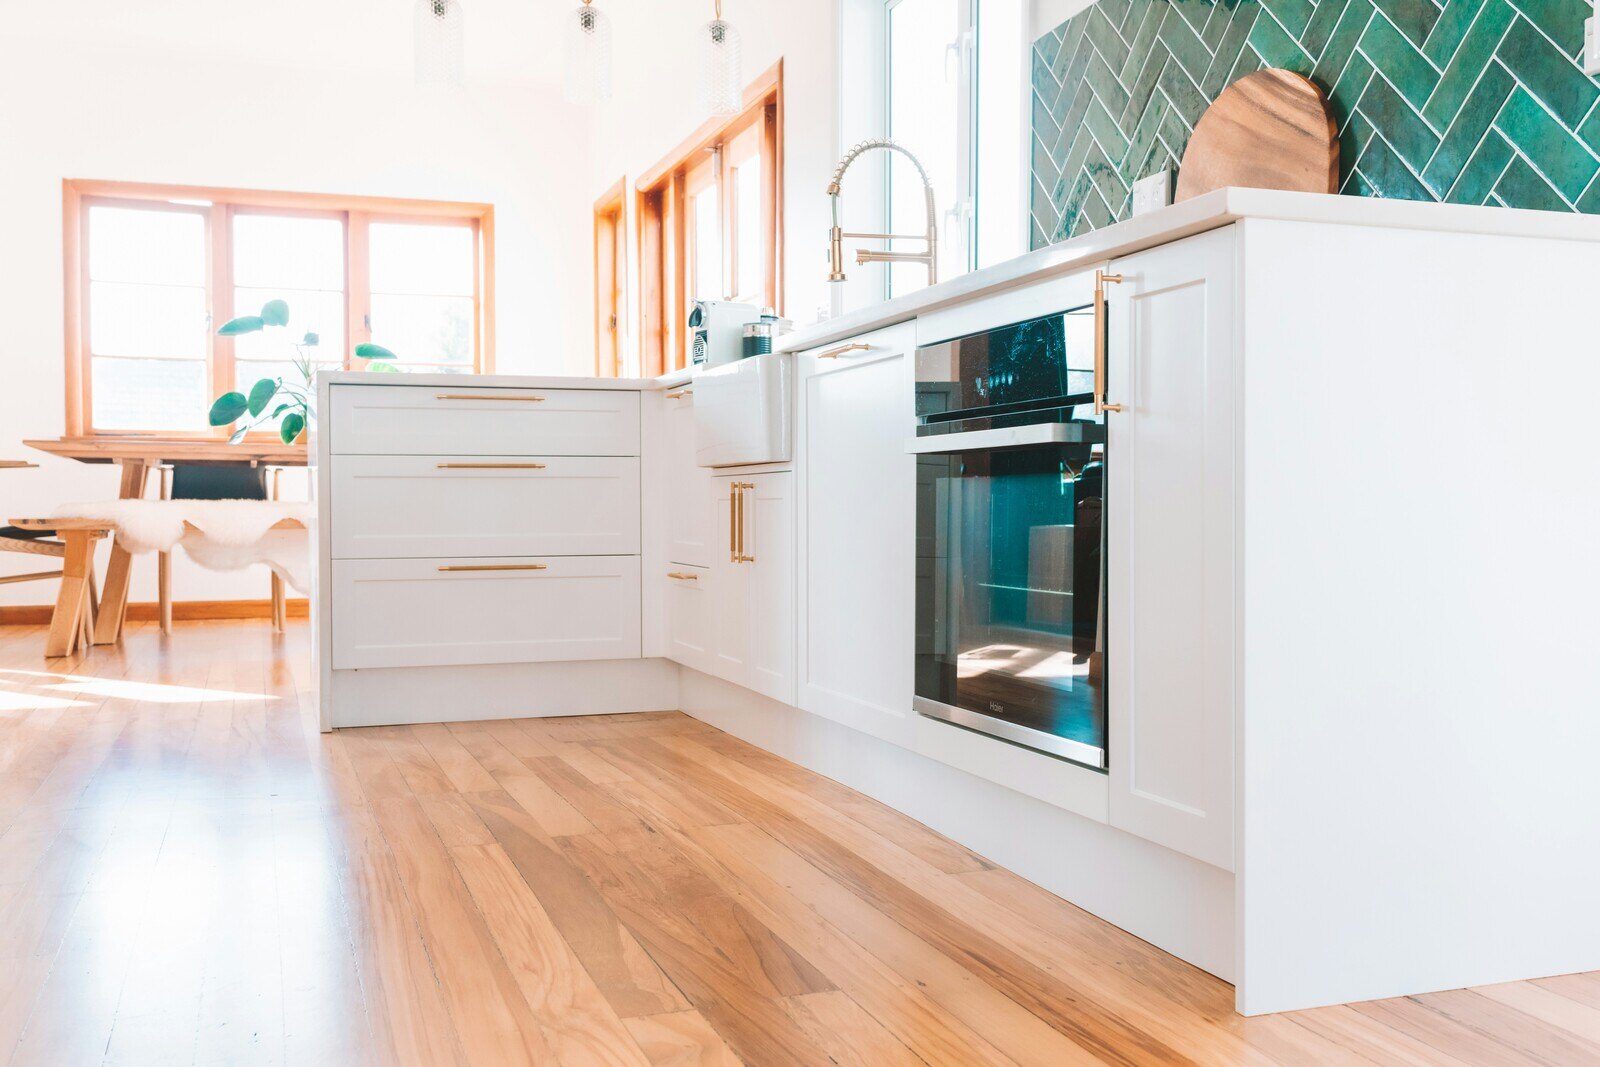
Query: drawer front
[
  {"x": 423, "y": 613},
  {"x": 394, "y": 507},
  {"x": 687, "y": 597},
  {"x": 409, "y": 420}
]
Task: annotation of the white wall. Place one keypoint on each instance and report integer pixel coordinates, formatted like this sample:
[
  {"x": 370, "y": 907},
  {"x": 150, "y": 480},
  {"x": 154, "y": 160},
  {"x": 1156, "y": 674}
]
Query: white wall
[{"x": 97, "y": 110}]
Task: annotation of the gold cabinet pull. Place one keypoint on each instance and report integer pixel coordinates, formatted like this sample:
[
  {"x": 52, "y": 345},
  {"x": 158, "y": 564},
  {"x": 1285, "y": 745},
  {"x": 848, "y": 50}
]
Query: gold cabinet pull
[
  {"x": 496, "y": 567},
  {"x": 835, "y": 353},
  {"x": 676, "y": 393},
  {"x": 481, "y": 396},
  {"x": 740, "y": 556},
  {"x": 1101, "y": 279},
  {"x": 682, "y": 577},
  {"x": 733, "y": 522},
  {"x": 490, "y": 466}
]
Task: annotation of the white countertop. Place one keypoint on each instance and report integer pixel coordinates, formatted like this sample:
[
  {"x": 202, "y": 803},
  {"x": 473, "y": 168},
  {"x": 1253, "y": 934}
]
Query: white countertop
[{"x": 1208, "y": 212}]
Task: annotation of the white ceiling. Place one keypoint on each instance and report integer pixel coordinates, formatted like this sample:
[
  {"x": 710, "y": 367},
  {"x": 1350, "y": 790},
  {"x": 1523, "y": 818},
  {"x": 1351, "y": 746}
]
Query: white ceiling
[{"x": 515, "y": 41}]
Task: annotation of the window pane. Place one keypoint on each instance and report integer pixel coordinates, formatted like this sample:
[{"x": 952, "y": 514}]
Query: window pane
[
  {"x": 421, "y": 259},
  {"x": 925, "y": 117},
  {"x": 150, "y": 394},
  {"x": 130, "y": 319},
  {"x": 287, "y": 252},
  {"x": 707, "y": 221},
  {"x": 321, "y": 312},
  {"x": 752, "y": 262},
  {"x": 424, "y": 329},
  {"x": 148, "y": 246}
]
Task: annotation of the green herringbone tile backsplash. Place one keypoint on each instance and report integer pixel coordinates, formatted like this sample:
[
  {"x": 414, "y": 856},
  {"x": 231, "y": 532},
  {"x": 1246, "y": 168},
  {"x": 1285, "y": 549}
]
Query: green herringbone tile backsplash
[{"x": 1469, "y": 101}]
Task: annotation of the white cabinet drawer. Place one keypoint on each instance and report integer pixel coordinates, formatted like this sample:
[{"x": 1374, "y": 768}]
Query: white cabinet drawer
[
  {"x": 688, "y": 602},
  {"x": 416, "y": 506},
  {"x": 448, "y": 612},
  {"x": 409, "y": 420}
]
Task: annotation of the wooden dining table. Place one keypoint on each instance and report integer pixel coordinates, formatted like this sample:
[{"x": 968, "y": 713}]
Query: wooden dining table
[{"x": 137, "y": 455}]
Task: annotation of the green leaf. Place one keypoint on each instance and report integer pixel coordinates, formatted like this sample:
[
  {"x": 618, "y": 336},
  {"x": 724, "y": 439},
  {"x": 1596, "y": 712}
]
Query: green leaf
[
  {"x": 238, "y": 435},
  {"x": 275, "y": 313},
  {"x": 244, "y": 324},
  {"x": 311, "y": 339},
  {"x": 279, "y": 410},
  {"x": 229, "y": 406},
  {"x": 291, "y": 427},
  {"x": 261, "y": 394},
  {"x": 382, "y": 368},
  {"x": 368, "y": 350}
]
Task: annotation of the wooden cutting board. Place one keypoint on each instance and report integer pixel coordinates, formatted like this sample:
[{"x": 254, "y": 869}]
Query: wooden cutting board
[{"x": 1269, "y": 130}]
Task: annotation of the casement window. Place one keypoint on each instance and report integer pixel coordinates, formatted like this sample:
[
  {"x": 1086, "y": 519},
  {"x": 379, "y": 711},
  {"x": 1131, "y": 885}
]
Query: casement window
[
  {"x": 610, "y": 279},
  {"x": 152, "y": 271},
  {"x": 711, "y": 222}
]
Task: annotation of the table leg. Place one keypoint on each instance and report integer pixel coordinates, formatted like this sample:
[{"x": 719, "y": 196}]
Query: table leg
[
  {"x": 114, "y": 601},
  {"x": 67, "y": 619}
]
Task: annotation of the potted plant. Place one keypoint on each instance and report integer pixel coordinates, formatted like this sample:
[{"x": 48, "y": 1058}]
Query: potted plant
[{"x": 271, "y": 397}]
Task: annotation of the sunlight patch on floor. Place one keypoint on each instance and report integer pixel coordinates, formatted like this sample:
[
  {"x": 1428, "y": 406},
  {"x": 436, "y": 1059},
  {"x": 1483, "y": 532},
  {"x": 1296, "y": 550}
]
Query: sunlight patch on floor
[{"x": 117, "y": 689}]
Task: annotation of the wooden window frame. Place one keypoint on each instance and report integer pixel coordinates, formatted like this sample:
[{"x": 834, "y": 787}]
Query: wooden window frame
[
  {"x": 663, "y": 234},
  {"x": 610, "y": 279},
  {"x": 218, "y": 206}
]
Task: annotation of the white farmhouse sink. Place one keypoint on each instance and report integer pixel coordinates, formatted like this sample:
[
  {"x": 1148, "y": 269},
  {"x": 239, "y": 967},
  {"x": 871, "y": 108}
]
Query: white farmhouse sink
[{"x": 742, "y": 412}]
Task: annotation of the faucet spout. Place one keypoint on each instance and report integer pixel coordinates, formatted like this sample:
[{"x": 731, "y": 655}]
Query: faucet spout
[{"x": 836, "y": 235}]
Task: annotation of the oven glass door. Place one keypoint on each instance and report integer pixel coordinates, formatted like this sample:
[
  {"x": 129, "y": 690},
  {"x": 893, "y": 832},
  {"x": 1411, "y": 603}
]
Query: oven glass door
[{"x": 1011, "y": 595}]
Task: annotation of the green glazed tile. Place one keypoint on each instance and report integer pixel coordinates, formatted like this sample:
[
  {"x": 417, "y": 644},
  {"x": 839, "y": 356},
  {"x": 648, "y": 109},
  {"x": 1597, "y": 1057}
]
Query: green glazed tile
[
  {"x": 1233, "y": 43},
  {"x": 1562, "y": 161},
  {"x": 1398, "y": 60},
  {"x": 1561, "y": 20},
  {"x": 1276, "y": 48},
  {"x": 1341, "y": 45},
  {"x": 1469, "y": 127},
  {"x": 1185, "y": 47},
  {"x": 1294, "y": 15},
  {"x": 1402, "y": 127},
  {"x": 1478, "y": 177},
  {"x": 1103, "y": 35},
  {"x": 1468, "y": 62},
  {"x": 1385, "y": 171},
  {"x": 1414, "y": 18},
  {"x": 1521, "y": 186},
  {"x": 1450, "y": 29},
  {"x": 1546, "y": 73}
]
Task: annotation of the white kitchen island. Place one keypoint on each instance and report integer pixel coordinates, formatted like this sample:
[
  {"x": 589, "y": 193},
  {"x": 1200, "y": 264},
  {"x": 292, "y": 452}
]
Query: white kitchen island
[{"x": 1352, "y": 510}]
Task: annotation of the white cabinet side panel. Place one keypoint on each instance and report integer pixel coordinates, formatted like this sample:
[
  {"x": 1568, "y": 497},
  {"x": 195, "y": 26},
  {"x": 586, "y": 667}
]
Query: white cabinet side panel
[{"x": 1421, "y": 717}]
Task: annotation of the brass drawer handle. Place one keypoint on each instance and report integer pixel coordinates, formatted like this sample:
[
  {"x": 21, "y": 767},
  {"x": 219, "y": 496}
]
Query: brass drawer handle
[
  {"x": 497, "y": 567},
  {"x": 835, "y": 353},
  {"x": 682, "y": 577},
  {"x": 739, "y": 555},
  {"x": 490, "y": 466},
  {"x": 676, "y": 393},
  {"x": 480, "y": 396}
]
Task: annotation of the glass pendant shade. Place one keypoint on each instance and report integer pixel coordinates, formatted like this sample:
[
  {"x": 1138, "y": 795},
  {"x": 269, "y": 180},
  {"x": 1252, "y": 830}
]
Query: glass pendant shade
[
  {"x": 439, "y": 42},
  {"x": 721, "y": 67},
  {"x": 588, "y": 48}
]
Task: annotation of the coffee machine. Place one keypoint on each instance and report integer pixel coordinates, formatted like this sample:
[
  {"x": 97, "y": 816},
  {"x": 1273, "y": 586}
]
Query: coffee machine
[{"x": 716, "y": 331}]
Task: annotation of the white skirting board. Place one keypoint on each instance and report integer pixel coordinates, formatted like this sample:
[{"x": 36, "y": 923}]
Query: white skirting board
[
  {"x": 403, "y": 695},
  {"x": 1176, "y": 903}
]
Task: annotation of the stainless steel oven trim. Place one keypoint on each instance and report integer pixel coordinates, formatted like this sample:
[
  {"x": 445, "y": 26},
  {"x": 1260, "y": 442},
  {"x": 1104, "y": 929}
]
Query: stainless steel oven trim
[
  {"x": 1050, "y": 744},
  {"x": 1043, "y": 433}
]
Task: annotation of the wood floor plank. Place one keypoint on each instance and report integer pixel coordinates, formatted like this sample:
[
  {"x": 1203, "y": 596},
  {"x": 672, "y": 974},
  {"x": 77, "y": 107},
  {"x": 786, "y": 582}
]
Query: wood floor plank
[
  {"x": 580, "y": 1026},
  {"x": 629, "y": 979},
  {"x": 682, "y": 1039},
  {"x": 1496, "y": 1020},
  {"x": 1549, "y": 1007},
  {"x": 849, "y": 1036},
  {"x": 604, "y": 811},
  {"x": 492, "y": 1020}
]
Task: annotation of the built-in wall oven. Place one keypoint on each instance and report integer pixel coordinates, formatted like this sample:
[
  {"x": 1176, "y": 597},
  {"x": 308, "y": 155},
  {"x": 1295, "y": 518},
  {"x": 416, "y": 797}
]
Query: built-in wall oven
[{"x": 1011, "y": 607}]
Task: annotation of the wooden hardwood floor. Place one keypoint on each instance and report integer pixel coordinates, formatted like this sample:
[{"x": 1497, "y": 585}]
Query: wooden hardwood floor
[{"x": 190, "y": 873}]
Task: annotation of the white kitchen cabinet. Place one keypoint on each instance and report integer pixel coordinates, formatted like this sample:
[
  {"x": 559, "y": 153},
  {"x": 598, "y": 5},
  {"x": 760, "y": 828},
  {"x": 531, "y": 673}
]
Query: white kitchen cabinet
[
  {"x": 1171, "y": 544},
  {"x": 686, "y": 495},
  {"x": 857, "y": 526},
  {"x": 751, "y": 584},
  {"x": 468, "y": 419}
]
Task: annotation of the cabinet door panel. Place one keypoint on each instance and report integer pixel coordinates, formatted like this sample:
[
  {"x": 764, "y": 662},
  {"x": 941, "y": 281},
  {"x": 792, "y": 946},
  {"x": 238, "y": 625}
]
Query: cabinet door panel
[
  {"x": 689, "y": 603},
  {"x": 858, "y": 534},
  {"x": 769, "y": 582},
  {"x": 691, "y": 533},
  {"x": 1170, "y": 552}
]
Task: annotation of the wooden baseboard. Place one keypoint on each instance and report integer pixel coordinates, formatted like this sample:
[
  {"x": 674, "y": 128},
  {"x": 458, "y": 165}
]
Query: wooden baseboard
[{"x": 182, "y": 611}]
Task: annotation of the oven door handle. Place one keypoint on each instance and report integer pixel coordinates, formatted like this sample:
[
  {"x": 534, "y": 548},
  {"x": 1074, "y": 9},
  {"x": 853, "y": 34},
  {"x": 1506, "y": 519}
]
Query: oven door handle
[{"x": 1044, "y": 433}]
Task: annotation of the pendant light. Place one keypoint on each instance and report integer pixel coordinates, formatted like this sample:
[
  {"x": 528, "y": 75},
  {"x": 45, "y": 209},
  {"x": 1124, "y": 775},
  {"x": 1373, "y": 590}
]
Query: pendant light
[
  {"x": 588, "y": 48},
  {"x": 439, "y": 42},
  {"x": 721, "y": 67}
]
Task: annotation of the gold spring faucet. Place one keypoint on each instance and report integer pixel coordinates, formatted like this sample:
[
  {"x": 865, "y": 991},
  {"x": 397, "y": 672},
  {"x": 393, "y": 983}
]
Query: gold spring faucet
[{"x": 837, "y": 235}]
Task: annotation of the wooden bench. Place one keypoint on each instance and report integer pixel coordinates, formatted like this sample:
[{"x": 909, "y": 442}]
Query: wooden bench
[{"x": 73, "y": 618}]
